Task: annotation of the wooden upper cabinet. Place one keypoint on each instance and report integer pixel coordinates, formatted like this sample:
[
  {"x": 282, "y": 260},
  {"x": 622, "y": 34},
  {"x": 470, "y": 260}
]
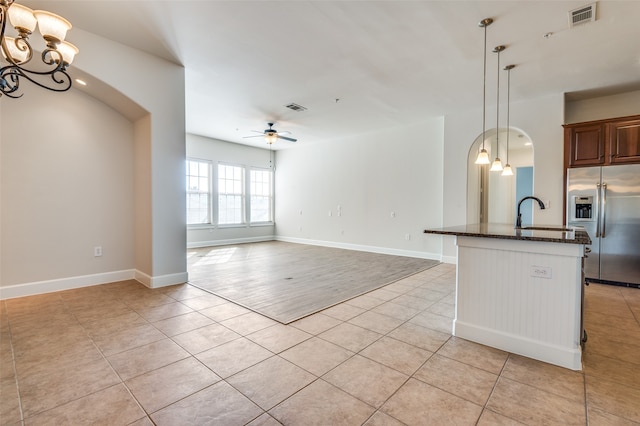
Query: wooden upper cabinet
[
  {"x": 587, "y": 145},
  {"x": 624, "y": 142},
  {"x": 602, "y": 142}
]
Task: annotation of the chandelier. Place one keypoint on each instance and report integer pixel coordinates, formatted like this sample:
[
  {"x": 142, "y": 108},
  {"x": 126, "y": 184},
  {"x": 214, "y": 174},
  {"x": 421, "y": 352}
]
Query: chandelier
[{"x": 17, "y": 52}]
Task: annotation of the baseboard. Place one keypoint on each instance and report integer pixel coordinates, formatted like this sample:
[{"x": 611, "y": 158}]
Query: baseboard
[
  {"x": 49, "y": 286},
  {"x": 568, "y": 357},
  {"x": 161, "y": 280},
  {"x": 212, "y": 243},
  {"x": 359, "y": 247},
  {"x": 40, "y": 287}
]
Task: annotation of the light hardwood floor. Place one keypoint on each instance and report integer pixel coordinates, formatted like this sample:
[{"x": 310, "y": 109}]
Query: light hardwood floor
[{"x": 287, "y": 281}]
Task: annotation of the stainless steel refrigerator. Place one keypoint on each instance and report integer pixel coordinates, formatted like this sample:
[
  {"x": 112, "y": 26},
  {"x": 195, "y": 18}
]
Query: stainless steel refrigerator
[{"x": 606, "y": 202}]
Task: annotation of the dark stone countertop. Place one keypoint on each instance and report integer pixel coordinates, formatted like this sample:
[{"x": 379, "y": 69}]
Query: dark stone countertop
[{"x": 553, "y": 234}]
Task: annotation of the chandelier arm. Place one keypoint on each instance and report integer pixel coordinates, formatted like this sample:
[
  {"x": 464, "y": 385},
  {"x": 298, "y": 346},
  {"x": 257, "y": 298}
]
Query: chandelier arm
[{"x": 10, "y": 76}]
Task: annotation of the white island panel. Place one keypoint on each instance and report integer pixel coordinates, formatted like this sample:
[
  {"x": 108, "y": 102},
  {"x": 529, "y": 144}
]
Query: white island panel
[{"x": 524, "y": 297}]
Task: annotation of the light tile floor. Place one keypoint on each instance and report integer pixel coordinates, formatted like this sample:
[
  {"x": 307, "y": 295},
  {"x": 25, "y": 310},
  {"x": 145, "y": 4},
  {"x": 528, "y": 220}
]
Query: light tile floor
[{"x": 121, "y": 354}]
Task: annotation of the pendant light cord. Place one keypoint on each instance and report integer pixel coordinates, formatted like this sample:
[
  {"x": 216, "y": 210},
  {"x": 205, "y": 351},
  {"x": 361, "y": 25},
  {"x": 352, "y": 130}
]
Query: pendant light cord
[
  {"x": 508, "y": 101},
  {"x": 484, "y": 87},
  {"x": 498, "y": 109}
]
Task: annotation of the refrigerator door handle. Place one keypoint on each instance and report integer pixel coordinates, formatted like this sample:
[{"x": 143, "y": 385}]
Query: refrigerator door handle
[
  {"x": 598, "y": 210},
  {"x": 604, "y": 209}
]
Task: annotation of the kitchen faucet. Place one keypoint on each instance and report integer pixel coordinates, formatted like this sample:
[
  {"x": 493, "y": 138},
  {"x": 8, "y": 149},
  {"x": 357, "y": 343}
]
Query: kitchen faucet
[{"x": 519, "y": 219}]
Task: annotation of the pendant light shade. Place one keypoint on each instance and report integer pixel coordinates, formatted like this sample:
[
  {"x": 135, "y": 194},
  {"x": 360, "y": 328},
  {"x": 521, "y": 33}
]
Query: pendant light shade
[
  {"x": 496, "y": 166},
  {"x": 483, "y": 156},
  {"x": 507, "y": 170}
]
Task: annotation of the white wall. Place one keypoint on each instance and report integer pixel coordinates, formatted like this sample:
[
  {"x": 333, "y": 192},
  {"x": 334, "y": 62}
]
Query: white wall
[
  {"x": 153, "y": 168},
  {"x": 369, "y": 177},
  {"x": 67, "y": 186},
  {"x": 620, "y": 105},
  {"x": 219, "y": 151},
  {"x": 158, "y": 87}
]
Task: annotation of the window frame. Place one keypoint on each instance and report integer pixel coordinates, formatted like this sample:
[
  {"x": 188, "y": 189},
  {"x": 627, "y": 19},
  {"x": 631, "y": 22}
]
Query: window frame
[
  {"x": 271, "y": 212},
  {"x": 213, "y": 204},
  {"x": 210, "y": 192},
  {"x": 243, "y": 197}
]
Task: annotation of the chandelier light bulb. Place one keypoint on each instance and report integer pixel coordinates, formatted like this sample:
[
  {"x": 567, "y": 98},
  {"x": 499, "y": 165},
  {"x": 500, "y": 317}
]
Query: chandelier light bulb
[
  {"x": 52, "y": 27},
  {"x": 22, "y": 18},
  {"x": 68, "y": 52},
  {"x": 18, "y": 55}
]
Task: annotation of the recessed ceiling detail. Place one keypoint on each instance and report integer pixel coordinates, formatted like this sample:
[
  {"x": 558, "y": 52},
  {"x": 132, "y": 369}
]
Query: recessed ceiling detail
[{"x": 582, "y": 15}]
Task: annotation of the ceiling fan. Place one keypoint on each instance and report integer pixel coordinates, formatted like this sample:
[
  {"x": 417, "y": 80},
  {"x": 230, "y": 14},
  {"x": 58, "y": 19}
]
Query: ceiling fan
[{"x": 271, "y": 135}]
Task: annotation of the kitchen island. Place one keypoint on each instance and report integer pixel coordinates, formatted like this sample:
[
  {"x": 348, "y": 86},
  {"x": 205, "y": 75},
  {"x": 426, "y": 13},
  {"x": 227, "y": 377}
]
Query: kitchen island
[{"x": 521, "y": 290}]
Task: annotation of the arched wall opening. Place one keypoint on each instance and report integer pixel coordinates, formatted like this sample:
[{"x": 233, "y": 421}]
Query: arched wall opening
[{"x": 492, "y": 197}]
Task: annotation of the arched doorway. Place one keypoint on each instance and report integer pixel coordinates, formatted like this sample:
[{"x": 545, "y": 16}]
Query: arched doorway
[{"x": 491, "y": 197}]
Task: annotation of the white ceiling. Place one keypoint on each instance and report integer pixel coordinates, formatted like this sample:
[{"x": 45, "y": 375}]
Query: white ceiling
[{"x": 360, "y": 66}]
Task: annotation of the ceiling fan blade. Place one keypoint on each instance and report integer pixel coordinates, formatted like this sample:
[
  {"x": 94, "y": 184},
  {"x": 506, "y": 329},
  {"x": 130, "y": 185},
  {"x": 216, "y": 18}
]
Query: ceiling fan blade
[
  {"x": 254, "y": 136},
  {"x": 287, "y": 139},
  {"x": 286, "y": 132}
]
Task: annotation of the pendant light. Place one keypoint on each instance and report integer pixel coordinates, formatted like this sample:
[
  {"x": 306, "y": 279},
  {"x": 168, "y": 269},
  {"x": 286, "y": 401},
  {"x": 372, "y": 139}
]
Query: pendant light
[
  {"x": 497, "y": 164},
  {"x": 507, "y": 167},
  {"x": 483, "y": 156}
]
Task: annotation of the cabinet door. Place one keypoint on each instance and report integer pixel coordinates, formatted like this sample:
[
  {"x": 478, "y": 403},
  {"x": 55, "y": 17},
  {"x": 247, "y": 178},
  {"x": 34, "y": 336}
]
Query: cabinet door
[
  {"x": 587, "y": 145},
  {"x": 624, "y": 142}
]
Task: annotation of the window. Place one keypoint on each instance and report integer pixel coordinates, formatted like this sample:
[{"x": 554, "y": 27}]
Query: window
[
  {"x": 232, "y": 197},
  {"x": 230, "y": 194},
  {"x": 261, "y": 196},
  {"x": 198, "y": 192}
]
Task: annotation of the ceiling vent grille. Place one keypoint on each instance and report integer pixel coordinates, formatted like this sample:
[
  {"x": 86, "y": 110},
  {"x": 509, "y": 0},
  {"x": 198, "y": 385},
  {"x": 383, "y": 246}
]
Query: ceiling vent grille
[
  {"x": 582, "y": 15},
  {"x": 296, "y": 107}
]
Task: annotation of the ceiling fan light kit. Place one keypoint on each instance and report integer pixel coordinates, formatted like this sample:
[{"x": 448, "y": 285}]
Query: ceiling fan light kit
[{"x": 271, "y": 135}]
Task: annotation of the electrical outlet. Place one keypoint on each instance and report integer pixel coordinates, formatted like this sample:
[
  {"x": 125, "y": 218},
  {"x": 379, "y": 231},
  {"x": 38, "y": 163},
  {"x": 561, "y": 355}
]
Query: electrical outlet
[
  {"x": 393, "y": 214},
  {"x": 407, "y": 237},
  {"x": 97, "y": 251},
  {"x": 547, "y": 204},
  {"x": 330, "y": 214},
  {"x": 541, "y": 271}
]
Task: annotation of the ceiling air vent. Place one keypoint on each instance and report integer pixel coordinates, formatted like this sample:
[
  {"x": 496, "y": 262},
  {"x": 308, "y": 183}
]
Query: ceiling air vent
[
  {"x": 296, "y": 107},
  {"x": 582, "y": 15}
]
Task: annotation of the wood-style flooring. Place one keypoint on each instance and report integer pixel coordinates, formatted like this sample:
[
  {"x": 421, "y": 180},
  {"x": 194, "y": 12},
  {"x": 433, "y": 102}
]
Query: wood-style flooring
[{"x": 288, "y": 281}]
